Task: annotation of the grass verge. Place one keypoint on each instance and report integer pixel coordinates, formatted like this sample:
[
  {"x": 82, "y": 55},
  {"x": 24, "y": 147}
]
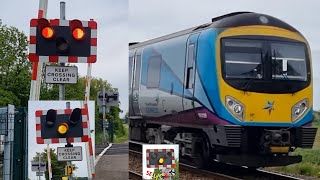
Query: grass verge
[
  {"x": 116, "y": 139},
  {"x": 99, "y": 137},
  {"x": 124, "y": 137}
]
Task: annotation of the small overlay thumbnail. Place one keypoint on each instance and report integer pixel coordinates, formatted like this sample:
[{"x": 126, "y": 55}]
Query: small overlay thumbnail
[{"x": 160, "y": 161}]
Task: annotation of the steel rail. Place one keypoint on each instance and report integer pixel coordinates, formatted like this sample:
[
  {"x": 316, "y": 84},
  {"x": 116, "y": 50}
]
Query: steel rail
[{"x": 134, "y": 175}]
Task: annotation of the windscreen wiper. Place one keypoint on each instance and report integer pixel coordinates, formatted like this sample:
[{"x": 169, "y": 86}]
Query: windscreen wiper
[
  {"x": 276, "y": 65},
  {"x": 253, "y": 75}
]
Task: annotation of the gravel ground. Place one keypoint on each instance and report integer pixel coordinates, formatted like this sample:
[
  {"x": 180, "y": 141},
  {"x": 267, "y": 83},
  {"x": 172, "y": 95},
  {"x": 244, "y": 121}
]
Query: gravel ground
[{"x": 135, "y": 163}]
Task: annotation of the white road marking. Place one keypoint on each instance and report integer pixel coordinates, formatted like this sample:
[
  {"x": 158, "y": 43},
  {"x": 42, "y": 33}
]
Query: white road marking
[{"x": 101, "y": 154}]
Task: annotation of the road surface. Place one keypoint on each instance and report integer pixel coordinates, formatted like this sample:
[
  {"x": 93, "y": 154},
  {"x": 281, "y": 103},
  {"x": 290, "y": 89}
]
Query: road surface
[{"x": 113, "y": 164}]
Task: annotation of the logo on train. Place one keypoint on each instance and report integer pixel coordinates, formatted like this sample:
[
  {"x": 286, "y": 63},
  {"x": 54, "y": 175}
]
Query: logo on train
[
  {"x": 269, "y": 106},
  {"x": 160, "y": 161}
]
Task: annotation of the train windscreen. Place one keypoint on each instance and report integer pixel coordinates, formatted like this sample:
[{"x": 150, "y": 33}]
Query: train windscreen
[{"x": 253, "y": 59}]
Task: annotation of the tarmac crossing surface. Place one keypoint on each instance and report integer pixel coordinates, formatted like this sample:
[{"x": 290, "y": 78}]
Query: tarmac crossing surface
[{"x": 113, "y": 163}]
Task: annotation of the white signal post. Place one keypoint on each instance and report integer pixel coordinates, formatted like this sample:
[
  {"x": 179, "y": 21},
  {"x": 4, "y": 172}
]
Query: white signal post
[
  {"x": 89, "y": 147},
  {"x": 61, "y": 86},
  {"x": 37, "y": 75}
]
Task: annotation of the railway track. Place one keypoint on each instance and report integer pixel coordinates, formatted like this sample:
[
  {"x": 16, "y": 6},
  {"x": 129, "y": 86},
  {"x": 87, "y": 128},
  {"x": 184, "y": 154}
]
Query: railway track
[
  {"x": 134, "y": 175},
  {"x": 219, "y": 171}
]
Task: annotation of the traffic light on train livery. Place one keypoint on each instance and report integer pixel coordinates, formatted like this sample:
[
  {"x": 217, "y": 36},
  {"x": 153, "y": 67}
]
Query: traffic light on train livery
[
  {"x": 160, "y": 158},
  {"x": 69, "y": 41}
]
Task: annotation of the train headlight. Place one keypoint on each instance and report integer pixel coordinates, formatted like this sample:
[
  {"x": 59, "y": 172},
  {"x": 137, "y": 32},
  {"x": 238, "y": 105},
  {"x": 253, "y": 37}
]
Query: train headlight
[
  {"x": 235, "y": 107},
  {"x": 299, "y": 109},
  {"x": 296, "y": 111}
]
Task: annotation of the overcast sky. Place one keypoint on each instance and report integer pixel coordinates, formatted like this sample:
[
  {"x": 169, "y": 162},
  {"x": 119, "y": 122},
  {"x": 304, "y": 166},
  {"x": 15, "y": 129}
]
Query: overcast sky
[
  {"x": 150, "y": 19},
  {"x": 112, "y": 19}
]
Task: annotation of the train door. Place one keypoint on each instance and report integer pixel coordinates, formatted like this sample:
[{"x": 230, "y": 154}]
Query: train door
[
  {"x": 188, "y": 90},
  {"x": 135, "y": 58}
]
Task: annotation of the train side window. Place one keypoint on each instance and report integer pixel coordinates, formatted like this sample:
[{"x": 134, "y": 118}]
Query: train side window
[
  {"x": 137, "y": 72},
  {"x": 154, "y": 66},
  {"x": 191, "y": 57},
  {"x": 130, "y": 71}
]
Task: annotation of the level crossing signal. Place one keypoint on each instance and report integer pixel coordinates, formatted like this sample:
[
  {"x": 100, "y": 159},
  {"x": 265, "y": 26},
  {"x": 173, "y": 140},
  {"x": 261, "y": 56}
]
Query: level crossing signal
[
  {"x": 61, "y": 125},
  {"x": 65, "y": 41},
  {"x": 54, "y": 126}
]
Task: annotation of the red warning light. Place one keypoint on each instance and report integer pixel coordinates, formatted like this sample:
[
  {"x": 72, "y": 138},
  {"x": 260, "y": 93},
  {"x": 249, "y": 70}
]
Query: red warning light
[
  {"x": 78, "y": 34},
  {"x": 47, "y": 32},
  {"x": 45, "y": 28},
  {"x": 77, "y": 29}
]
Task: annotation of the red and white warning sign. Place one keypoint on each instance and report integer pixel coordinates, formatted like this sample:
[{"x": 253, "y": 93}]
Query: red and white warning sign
[
  {"x": 34, "y": 52},
  {"x": 85, "y": 122}
]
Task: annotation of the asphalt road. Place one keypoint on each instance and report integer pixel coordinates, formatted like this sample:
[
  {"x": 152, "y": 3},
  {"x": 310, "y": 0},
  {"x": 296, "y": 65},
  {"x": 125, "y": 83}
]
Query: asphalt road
[
  {"x": 113, "y": 164},
  {"x": 100, "y": 148},
  {"x": 117, "y": 149}
]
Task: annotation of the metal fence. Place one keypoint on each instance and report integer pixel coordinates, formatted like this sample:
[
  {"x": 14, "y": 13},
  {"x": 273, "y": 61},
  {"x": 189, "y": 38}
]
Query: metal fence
[
  {"x": 13, "y": 143},
  {"x": 6, "y": 141}
]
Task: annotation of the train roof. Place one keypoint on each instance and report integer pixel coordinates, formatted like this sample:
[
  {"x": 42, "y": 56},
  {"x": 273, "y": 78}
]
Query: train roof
[{"x": 234, "y": 19}]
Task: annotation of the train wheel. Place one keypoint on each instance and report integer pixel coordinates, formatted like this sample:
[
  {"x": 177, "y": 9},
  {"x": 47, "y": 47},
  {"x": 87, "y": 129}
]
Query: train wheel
[{"x": 204, "y": 154}]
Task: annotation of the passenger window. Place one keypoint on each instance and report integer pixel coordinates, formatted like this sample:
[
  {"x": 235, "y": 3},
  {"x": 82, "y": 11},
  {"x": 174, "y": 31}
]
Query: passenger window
[
  {"x": 130, "y": 71},
  {"x": 137, "y": 74},
  {"x": 191, "y": 57},
  {"x": 154, "y": 66}
]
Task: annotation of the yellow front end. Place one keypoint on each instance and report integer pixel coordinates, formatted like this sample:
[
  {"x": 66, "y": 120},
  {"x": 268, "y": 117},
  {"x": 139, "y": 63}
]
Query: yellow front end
[{"x": 263, "y": 107}]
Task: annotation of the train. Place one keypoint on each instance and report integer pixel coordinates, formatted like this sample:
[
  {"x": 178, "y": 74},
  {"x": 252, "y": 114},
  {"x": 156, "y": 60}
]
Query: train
[{"x": 237, "y": 90}]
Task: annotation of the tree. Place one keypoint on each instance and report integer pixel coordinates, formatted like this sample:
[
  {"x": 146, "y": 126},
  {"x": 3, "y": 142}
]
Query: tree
[
  {"x": 15, "y": 68},
  {"x": 7, "y": 97},
  {"x": 58, "y": 167},
  {"x": 125, "y": 119},
  {"x": 117, "y": 122}
]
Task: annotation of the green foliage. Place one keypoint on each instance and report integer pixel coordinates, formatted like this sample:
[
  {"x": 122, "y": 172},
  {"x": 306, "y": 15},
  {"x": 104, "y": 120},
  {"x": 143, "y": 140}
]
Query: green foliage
[
  {"x": 125, "y": 119},
  {"x": 98, "y": 137},
  {"x": 316, "y": 124},
  {"x": 114, "y": 116},
  {"x": 7, "y": 97},
  {"x": 157, "y": 174},
  {"x": 15, "y": 68},
  {"x": 124, "y": 137},
  {"x": 58, "y": 167},
  {"x": 309, "y": 155},
  {"x": 176, "y": 169},
  {"x": 307, "y": 169},
  {"x": 316, "y": 116}
]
